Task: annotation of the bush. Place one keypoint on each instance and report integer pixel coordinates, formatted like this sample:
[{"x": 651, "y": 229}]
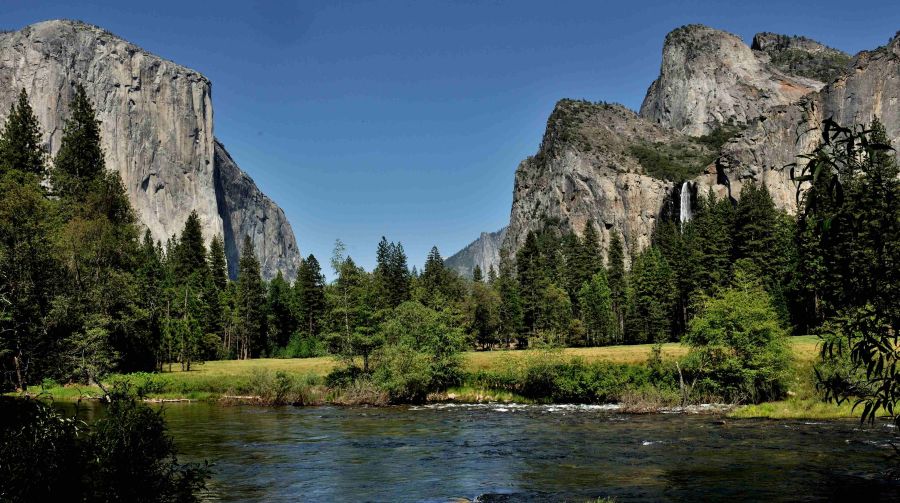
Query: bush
[
  {"x": 282, "y": 388},
  {"x": 301, "y": 346},
  {"x": 738, "y": 346},
  {"x": 549, "y": 378},
  {"x": 126, "y": 456}
]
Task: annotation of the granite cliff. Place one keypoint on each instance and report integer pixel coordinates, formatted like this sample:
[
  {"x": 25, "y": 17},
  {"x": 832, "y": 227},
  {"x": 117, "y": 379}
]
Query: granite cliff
[
  {"x": 720, "y": 113},
  {"x": 157, "y": 132}
]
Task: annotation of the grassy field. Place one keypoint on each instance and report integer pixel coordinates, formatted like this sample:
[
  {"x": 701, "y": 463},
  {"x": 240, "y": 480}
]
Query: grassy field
[
  {"x": 214, "y": 379},
  {"x": 222, "y": 376}
]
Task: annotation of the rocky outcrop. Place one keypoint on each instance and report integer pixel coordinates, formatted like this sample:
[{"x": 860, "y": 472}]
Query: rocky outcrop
[
  {"x": 802, "y": 56},
  {"x": 586, "y": 170},
  {"x": 870, "y": 88},
  {"x": 157, "y": 131},
  {"x": 709, "y": 78},
  {"x": 483, "y": 252}
]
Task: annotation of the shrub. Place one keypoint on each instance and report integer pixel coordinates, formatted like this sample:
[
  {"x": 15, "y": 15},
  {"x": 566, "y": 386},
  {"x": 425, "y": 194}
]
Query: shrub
[
  {"x": 282, "y": 388},
  {"x": 301, "y": 346},
  {"x": 738, "y": 346},
  {"x": 125, "y": 456}
]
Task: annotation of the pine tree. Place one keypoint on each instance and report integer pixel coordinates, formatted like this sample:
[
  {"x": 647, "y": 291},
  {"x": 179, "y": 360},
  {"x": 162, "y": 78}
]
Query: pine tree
[
  {"x": 492, "y": 275},
  {"x": 510, "y": 316},
  {"x": 282, "y": 323},
  {"x": 20, "y": 141},
  {"x": 714, "y": 224},
  {"x": 477, "y": 276},
  {"x": 531, "y": 280},
  {"x": 218, "y": 264},
  {"x": 190, "y": 255},
  {"x": 79, "y": 160},
  {"x": 596, "y": 309},
  {"x": 651, "y": 302},
  {"x": 617, "y": 282},
  {"x": 250, "y": 304},
  {"x": 309, "y": 291}
]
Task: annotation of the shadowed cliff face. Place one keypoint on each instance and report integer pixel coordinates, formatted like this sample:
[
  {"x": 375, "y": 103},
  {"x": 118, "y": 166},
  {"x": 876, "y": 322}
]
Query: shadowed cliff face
[
  {"x": 157, "y": 130},
  {"x": 246, "y": 211},
  {"x": 602, "y": 162},
  {"x": 483, "y": 252}
]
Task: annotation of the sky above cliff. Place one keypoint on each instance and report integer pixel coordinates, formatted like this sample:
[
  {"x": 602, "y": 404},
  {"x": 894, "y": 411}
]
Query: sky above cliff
[{"x": 408, "y": 119}]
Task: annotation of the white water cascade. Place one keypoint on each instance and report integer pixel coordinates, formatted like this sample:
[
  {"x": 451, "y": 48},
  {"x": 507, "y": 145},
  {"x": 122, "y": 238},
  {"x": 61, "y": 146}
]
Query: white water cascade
[{"x": 685, "y": 209}]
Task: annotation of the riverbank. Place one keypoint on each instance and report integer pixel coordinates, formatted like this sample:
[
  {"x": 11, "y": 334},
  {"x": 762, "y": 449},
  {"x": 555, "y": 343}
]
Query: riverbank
[{"x": 250, "y": 381}]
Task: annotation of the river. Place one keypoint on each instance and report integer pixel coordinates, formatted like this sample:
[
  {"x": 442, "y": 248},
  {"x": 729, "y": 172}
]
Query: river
[{"x": 525, "y": 453}]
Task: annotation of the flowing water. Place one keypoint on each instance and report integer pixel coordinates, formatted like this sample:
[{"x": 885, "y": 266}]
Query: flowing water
[
  {"x": 685, "y": 214},
  {"x": 526, "y": 453}
]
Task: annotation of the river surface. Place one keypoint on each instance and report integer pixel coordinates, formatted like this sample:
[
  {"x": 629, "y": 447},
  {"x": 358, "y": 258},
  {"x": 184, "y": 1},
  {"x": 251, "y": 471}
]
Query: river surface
[{"x": 526, "y": 453}]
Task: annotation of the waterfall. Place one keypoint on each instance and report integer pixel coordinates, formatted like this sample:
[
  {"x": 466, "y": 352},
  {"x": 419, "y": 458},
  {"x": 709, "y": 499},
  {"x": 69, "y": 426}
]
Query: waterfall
[{"x": 685, "y": 210}]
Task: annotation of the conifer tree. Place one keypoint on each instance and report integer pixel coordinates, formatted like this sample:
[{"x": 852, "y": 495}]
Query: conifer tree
[
  {"x": 218, "y": 264},
  {"x": 651, "y": 300},
  {"x": 190, "y": 255},
  {"x": 250, "y": 305},
  {"x": 281, "y": 323},
  {"x": 79, "y": 160},
  {"x": 510, "y": 316},
  {"x": 309, "y": 290},
  {"x": 531, "y": 280},
  {"x": 617, "y": 282},
  {"x": 596, "y": 309},
  {"x": 20, "y": 141},
  {"x": 477, "y": 276}
]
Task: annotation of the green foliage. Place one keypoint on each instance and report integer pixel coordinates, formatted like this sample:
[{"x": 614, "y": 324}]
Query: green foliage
[
  {"x": 682, "y": 160},
  {"x": 618, "y": 285},
  {"x": 309, "y": 295},
  {"x": 651, "y": 298},
  {"x": 849, "y": 231},
  {"x": 250, "y": 304},
  {"x": 125, "y": 456},
  {"x": 595, "y": 299},
  {"x": 21, "y": 148},
  {"x": 79, "y": 161},
  {"x": 738, "y": 345},
  {"x": 415, "y": 351},
  {"x": 549, "y": 378}
]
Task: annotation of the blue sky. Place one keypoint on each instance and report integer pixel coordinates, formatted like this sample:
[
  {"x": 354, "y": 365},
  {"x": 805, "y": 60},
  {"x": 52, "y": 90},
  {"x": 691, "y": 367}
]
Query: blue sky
[{"x": 408, "y": 119}]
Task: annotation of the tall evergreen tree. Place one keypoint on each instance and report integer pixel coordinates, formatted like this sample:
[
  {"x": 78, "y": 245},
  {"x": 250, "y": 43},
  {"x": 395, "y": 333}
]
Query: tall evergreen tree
[
  {"x": 79, "y": 160},
  {"x": 617, "y": 282},
  {"x": 510, "y": 314},
  {"x": 651, "y": 301},
  {"x": 190, "y": 255},
  {"x": 218, "y": 264},
  {"x": 281, "y": 323},
  {"x": 596, "y": 309},
  {"x": 250, "y": 305},
  {"x": 531, "y": 279},
  {"x": 477, "y": 275},
  {"x": 20, "y": 141},
  {"x": 309, "y": 291}
]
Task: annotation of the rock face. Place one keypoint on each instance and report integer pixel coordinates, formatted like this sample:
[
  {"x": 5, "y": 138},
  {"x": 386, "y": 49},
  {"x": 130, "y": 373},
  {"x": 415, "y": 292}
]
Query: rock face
[
  {"x": 869, "y": 88},
  {"x": 586, "y": 170},
  {"x": 483, "y": 252},
  {"x": 246, "y": 211},
  {"x": 709, "y": 78},
  {"x": 157, "y": 131},
  {"x": 605, "y": 164}
]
